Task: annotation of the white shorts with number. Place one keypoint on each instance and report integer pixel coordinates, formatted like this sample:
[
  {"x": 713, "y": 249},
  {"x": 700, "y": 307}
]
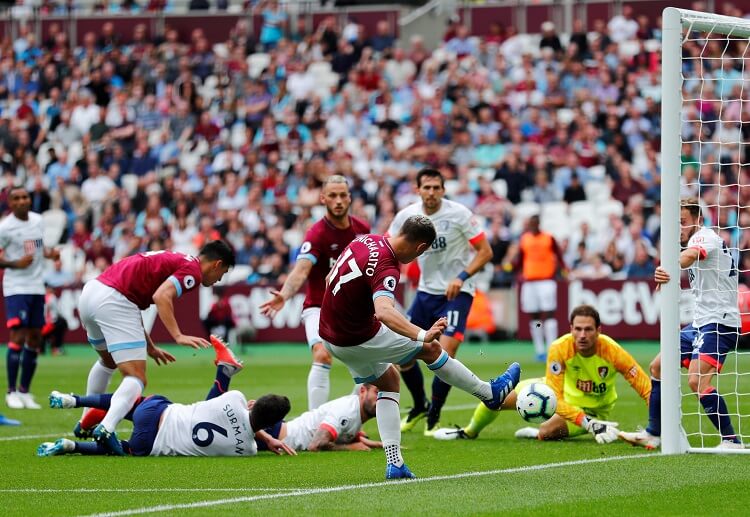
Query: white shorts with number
[
  {"x": 539, "y": 296},
  {"x": 112, "y": 322},
  {"x": 370, "y": 360},
  {"x": 311, "y": 319}
]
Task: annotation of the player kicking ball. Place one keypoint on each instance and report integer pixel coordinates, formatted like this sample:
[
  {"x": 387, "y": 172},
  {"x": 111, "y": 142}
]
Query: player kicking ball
[
  {"x": 361, "y": 326},
  {"x": 224, "y": 424},
  {"x": 582, "y": 367}
]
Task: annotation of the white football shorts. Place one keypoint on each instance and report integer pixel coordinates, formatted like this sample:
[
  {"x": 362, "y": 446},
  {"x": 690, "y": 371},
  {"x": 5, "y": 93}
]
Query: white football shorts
[
  {"x": 539, "y": 296},
  {"x": 370, "y": 360},
  {"x": 311, "y": 319},
  {"x": 112, "y": 322}
]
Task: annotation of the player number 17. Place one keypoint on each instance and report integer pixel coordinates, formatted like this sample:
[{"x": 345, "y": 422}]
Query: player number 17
[{"x": 354, "y": 272}]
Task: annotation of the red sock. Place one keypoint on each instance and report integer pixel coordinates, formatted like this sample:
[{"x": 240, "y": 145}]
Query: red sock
[{"x": 92, "y": 417}]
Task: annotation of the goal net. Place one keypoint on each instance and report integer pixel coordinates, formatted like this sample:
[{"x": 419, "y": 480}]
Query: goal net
[{"x": 705, "y": 154}]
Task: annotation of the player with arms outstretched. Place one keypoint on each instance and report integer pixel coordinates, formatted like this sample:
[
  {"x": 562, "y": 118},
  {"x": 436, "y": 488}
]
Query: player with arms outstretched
[
  {"x": 224, "y": 424},
  {"x": 705, "y": 343},
  {"x": 361, "y": 326},
  {"x": 582, "y": 367},
  {"x": 323, "y": 243},
  {"x": 446, "y": 287},
  {"x": 110, "y": 309},
  {"x": 21, "y": 235}
]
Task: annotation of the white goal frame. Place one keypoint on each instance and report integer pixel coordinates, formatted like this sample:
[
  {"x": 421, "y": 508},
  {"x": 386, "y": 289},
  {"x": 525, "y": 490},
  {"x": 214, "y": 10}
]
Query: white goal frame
[{"x": 674, "y": 22}]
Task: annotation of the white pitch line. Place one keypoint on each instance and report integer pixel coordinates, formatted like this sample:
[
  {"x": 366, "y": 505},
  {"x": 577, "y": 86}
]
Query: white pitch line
[
  {"x": 140, "y": 490},
  {"x": 379, "y": 484},
  {"x": 34, "y": 436}
]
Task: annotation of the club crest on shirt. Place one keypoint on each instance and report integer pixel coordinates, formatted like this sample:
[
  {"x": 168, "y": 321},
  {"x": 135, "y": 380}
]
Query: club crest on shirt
[
  {"x": 443, "y": 225},
  {"x": 603, "y": 371}
]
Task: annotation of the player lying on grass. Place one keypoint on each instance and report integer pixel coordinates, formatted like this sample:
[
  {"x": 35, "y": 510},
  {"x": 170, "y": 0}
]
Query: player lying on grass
[
  {"x": 222, "y": 425},
  {"x": 581, "y": 368},
  {"x": 110, "y": 308},
  {"x": 333, "y": 426}
]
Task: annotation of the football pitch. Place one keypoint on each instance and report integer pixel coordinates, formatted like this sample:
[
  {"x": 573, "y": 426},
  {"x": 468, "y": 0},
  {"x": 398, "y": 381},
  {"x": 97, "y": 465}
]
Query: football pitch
[{"x": 488, "y": 476}]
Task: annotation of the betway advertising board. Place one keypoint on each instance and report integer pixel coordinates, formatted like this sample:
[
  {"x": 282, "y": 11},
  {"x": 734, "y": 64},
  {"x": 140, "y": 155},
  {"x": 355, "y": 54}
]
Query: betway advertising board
[{"x": 629, "y": 309}]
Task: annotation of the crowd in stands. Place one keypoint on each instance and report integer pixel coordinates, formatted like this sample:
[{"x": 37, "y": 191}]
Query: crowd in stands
[{"x": 168, "y": 142}]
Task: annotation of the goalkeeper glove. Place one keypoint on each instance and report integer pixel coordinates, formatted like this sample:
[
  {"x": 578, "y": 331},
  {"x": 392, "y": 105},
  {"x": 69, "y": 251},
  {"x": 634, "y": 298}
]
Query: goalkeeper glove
[{"x": 603, "y": 431}]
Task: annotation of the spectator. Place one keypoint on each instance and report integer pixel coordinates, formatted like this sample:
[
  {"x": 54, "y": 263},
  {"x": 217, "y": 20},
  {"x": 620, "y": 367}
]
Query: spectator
[
  {"x": 274, "y": 24},
  {"x": 574, "y": 191},
  {"x": 383, "y": 40},
  {"x": 642, "y": 265},
  {"x": 550, "y": 39}
]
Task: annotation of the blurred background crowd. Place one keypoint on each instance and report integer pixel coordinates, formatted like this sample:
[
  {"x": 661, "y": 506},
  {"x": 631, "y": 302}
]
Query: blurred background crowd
[{"x": 131, "y": 143}]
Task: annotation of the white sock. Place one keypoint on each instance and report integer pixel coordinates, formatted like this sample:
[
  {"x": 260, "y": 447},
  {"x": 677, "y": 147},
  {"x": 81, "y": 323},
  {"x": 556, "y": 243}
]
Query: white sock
[
  {"x": 389, "y": 426},
  {"x": 123, "y": 400},
  {"x": 318, "y": 385},
  {"x": 99, "y": 377},
  {"x": 550, "y": 332},
  {"x": 537, "y": 336},
  {"x": 453, "y": 372}
]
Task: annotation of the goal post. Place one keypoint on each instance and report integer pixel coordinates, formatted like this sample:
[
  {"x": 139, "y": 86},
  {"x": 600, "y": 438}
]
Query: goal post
[{"x": 685, "y": 85}]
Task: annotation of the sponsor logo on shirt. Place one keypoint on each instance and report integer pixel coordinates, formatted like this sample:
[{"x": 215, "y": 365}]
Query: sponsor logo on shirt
[{"x": 591, "y": 386}]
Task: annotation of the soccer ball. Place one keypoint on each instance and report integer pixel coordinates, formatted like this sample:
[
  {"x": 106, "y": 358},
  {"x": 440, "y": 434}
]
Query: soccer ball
[{"x": 536, "y": 402}]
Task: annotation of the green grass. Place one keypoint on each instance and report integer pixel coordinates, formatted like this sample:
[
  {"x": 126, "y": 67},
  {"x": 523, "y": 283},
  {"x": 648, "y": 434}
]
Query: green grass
[{"x": 640, "y": 485}]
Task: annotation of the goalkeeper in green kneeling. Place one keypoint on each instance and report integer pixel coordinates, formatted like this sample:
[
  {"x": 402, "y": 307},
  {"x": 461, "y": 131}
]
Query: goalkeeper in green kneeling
[{"x": 582, "y": 367}]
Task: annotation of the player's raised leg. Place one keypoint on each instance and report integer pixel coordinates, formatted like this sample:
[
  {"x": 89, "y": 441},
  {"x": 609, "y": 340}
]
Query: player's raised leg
[{"x": 227, "y": 365}]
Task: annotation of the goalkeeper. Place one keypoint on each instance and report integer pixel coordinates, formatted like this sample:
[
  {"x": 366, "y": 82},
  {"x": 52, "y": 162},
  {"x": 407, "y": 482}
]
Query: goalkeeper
[{"x": 581, "y": 368}]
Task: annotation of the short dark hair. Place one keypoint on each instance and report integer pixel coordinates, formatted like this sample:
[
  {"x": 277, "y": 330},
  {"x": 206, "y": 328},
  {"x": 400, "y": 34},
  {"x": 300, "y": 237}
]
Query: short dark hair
[
  {"x": 419, "y": 228},
  {"x": 586, "y": 311},
  {"x": 430, "y": 173},
  {"x": 692, "y": 205},
  {"x": 268, "y": 410},
  {"x": 218, "y": 250}
]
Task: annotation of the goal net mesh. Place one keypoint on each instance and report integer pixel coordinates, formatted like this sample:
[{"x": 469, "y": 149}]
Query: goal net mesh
[{"x": 715, "y": 168}]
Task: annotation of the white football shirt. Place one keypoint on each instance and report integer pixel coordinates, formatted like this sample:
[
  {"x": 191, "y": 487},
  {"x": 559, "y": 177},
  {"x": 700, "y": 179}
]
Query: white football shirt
[
  {"x": 215, "y": 427},
  {"x": 452, "y": 250},
  {"x": 340, "y": 416},
  {"x": 713, "y": 280},
  {"x": 20, "y": 238}
]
